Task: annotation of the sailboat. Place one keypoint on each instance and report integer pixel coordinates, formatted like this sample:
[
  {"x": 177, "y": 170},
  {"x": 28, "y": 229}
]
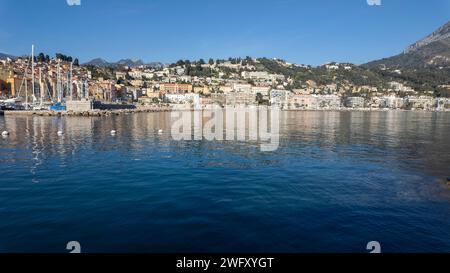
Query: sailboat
[{"x": 58, "y": 105}]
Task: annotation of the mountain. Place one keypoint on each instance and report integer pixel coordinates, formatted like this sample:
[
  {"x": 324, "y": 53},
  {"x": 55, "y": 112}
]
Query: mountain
[
  {"x": 432, "y": 51},
  {"x": 5, "y": 56},
  {"x": 99, "y": 62},
  {"x": 155, "y": 65},
  {"x": 130, "y": 63}
]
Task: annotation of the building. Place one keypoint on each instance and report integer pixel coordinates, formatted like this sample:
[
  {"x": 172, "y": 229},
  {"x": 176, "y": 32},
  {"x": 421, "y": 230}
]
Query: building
[
  {"x": 104, "y": 91},
  {"x": 303, "y": 91},
  {"x": 16, "y": 86},
  {"x": 443, "y": 104},
  {"x": 302, "y": 101},
  {"x": 354, "y": 102},
  {"x": 137, "y": 83},
  {"x": 219, "y": 98},
  {"x": 225, "y": 88},
  {"x": 255, "y": 75},
  {"x": 189, "y": 98},
  {"x": 400, "y": 87},
  {"x": 79, "y": 105},
  {"x": 240, "y": 98},
  {"x": 206, "y": 101},
  {"x": 279, "y": 97},
  {"x": 175, "y": 88},
  {"x": 328, "y": 101},
  {"x": 205, "y": 90},
  {"x": 134, "y": 93},
  {"x": 242, "y": 87},
  {"x": 394, "y": 102},
  {"x": 421, "y": 102},
  {"x": 263, "y": 90},
  {"x": 121, "y": 75}
]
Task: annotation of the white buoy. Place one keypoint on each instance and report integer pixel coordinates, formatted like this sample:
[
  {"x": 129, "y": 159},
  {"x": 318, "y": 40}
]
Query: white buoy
[
  {"x": 5, "y": 133},
  {"x": 113, "y": 132},
  {"x": 160, "y": 131},
  {"x": 60, "y": 133}
]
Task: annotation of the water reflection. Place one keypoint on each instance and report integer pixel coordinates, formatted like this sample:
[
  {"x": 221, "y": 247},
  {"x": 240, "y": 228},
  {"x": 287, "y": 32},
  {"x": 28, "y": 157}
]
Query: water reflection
[{"x": 408, "y": 137}]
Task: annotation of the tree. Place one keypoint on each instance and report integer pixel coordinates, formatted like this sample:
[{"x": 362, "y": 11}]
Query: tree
[
  {"x": 41, "y": 57},
  {"x": 201, "y": 61},
  {"x": 47, "y": 58},
  {"x": 180, "y": 63},
  {"x": 63, "y": 57},
  {"x": 259, "y": 98},
  {"x": 76, "y": 62},
  {"x": 211, "y": 61}
]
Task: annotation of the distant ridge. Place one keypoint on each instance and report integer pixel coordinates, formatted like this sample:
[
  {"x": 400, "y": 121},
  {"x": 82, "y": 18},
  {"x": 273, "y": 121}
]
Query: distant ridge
[
  {"x": 4, "y": 56},
  {"x": 130, "y": 63},
  {"x": 101, "y": 63}
]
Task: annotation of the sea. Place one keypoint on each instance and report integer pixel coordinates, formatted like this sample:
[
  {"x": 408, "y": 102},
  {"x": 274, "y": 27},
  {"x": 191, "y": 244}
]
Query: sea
[{"x": 334, "y": 182}]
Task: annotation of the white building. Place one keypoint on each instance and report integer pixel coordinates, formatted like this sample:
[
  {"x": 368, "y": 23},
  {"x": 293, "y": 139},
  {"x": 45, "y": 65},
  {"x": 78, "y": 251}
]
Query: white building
[
  {"x": 394, "y": 102},
  {"x": 354, "y": 102},
  {"x": 263, "y": 90},
  {"x": 329, "y": 101},
  {"x": 242, "y": 87},
  {"x": 279, "y": 97},
  {"x": 189, "y": 98}
]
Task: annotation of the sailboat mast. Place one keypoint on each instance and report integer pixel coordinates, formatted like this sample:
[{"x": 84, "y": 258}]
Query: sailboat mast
[
  {"x": 26, "y": 88},
  {"x": 86, "y": 89},
  {"x": 41, "y": 89},
  {"x": 70, "y": 81},
  {"x": 68, "y": 84},
  {"x": 32, "y": 71},
  {"x": 58, "y": 83}
]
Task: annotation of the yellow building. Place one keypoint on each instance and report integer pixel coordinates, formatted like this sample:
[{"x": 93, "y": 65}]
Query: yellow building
[
  {"x": 104, "y": 90},
  {"x": 3, "y": 89},
  {"x": 153, "y": 95},
  {"x": 16, "y": 86},
  {"x": 205, "y": 90},
  {"x": 175, "y": 88},
  {"x": 225, "y": 89}
]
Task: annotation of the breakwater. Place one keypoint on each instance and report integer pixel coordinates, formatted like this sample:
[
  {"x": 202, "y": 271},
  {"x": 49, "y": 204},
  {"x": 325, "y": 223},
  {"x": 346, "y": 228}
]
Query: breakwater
[{"x": 93, "y": 113}]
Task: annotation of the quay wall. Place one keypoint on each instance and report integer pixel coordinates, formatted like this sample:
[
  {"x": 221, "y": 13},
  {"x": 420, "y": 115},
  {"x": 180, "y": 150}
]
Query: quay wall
[
  {"x": 79, "y": 106},
  {"x": 92, "y": 113}
]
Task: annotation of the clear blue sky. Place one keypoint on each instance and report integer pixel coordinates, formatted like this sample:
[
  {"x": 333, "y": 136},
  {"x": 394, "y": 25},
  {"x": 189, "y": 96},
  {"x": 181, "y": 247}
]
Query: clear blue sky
[{"x": 300, "y": 31}]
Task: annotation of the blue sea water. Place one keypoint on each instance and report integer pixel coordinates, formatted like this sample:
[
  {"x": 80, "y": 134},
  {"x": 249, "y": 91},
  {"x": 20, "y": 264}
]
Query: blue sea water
[{"x": 337, "y": 181}]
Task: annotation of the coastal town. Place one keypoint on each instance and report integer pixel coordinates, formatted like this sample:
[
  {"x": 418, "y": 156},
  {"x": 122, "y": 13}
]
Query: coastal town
[{"x": 61, "y": 83}]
